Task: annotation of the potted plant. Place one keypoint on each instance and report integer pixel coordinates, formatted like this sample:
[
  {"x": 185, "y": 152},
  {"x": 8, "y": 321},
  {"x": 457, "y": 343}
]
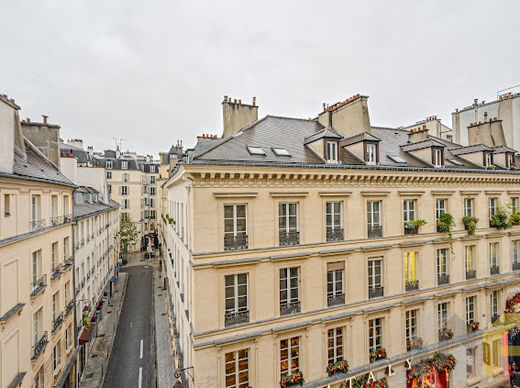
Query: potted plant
[
  {"x": 292, "y": 380},
  {"x": 473, "y": 326},
  {"x": 377, "y": 354},
  {"x": 514, "y": 219},
  {"x": 445, "y": 223},
  {"x": 337, "y": 367},
  {"x": 501, "y": 219},
  {"x": 414, "y": 343},
  {"x": 470, "y": 224},
  {"x": 445, "y": 334}
]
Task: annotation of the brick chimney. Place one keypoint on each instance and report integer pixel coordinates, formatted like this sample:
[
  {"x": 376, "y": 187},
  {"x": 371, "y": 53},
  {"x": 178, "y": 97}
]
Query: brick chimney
[
  {"x": 237, "y": 115},
  {"x": 349, "y": 117},
  {"x": 46, "y": 137}
]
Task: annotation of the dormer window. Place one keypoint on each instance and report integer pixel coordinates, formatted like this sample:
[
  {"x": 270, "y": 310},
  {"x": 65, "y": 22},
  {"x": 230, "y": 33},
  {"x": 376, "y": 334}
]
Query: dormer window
[
  {"x": 332, "y": 152},
  {"x": 124, "y": 164},
  {"x": 108, "y": 164},
  {"x": 371, "y": 153},
  {"x": 488, "y": 159},
  {"x": 438, "y": 157},
  {"x": 509, "y": 160}
]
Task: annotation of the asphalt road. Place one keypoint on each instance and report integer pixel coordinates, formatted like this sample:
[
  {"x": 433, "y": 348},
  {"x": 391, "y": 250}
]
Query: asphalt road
[{"x": 132, "y": 360}]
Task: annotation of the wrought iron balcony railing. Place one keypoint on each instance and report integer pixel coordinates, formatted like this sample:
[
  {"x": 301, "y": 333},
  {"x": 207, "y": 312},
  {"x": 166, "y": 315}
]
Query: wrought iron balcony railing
[
  {"x": 40, "y": 346},
  {"x": 287, "y": 308},
  {"x": 412, "y": 285},
  {"x": 289, "y": 238},
  {"x": 39, "y": 285},
  {"x": 375, "y": 292},
  {"x": 69, "y": 307},
  {"x": 443, "y": 279},
  {"x": 409, "y": 229},
  {"x": 235, "y": 243},
  {"x": 333, "y": 300},
  {"x": 494, "y": 269},
  {"x": 516, "y": 266},
  {"x": 471, "y": 274},
  {"x": 56, "y": 271},
  {"x": 236, "y": 317},
  {"x": 335, "y": 234},
  {"x": 375, "y": 231},
  {"x": 37, "y": 224},
  {"x": 57, "y": 322}
]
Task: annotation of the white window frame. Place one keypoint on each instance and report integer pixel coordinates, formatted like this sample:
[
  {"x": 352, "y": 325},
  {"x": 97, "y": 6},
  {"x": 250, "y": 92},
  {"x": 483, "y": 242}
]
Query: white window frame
[
  {"x": 437, "y": 157},
  {"x": 330, "y": 211},
  {"x": 469, "y": 207},
  {"x": 371, "y": 153},
  {"x": 409, "y": 210},
  {"x": 286, "y": 273},
  {"x": 338, "y": 350},
  {"x": 235, "y": 219},
  {"x": 488, "y": 159},
  {"x": 443, "y": 256},
  {"x": 109, "y": 165},
  {"x": 443, "y": 315},
  {"x": 441, "y": 207},
  {"x": 332, "y": 151},
  {"x": 492, "y": 206},
  {"x": 372, "y": 214},
  {"x": 124, "y": 164},
  {"x": 470, "y": 250},
  {"x": 290, "y": 347},
  {"x": 411, "y": 324},
  {"x": 375, "y": 341},
  {"x": 494, "y": 252},
  {"x": 470, "y": 309},
  {"x": 236, "y": 369},
  {"x": 236, "y": 296},
  {"x": 374, "y": 263},
  {"x": 335, "y": 286},
  {"x": 285, "y": 220}
]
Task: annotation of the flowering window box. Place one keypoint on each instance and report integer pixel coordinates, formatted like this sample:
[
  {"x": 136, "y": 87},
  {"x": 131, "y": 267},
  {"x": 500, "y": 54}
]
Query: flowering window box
[
  {"x": 377, "y": 354},
  {"x": 473, "y": 326},
  {"x": 292, "y": 380},
  {"x": 414, "y": 343},
  {"x": 337, "y": 367},
  {"x": 445, "y": 334}
]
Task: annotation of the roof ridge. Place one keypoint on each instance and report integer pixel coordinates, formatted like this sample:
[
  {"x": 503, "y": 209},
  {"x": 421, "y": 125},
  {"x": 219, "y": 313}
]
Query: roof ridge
[{"x": 293, "y": 118}]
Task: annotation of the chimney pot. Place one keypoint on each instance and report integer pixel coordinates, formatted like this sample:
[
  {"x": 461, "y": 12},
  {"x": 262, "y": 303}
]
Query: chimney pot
[
  {"x": 254, "y": 101},
  {"x": 45, "y": 119}
]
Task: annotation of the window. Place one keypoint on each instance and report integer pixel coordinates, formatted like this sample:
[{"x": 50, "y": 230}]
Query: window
[
  {"x": 236, "y": 299},
  {"x": 39, "y": 381},
  {"x": 289, "y": 290},
  {"x": 375, "y": 226},
  {"x": 509, "y": 160},
  {"x": 256, "y": 151},
  {"x": 54, "y": 256},
  {"x": 496, "y": 353},
  {"x": 109, "y": 188},
  {"x": 493, "y": 255},
  {"x": 66, "y": 248},
  {"x": 492, "y": 206},
  {"x": 440, "y": 207},
  {"x": 289, "y": 356},
  {"x": 235, "y": 227},
  {"x": 237, "y": 369},
  {"x": 55, "y": 305},
  {"x": 488, "y": 159},
  {"x": 442, "y": 315},
  {"x": 334, "y": 221},
  {"x": 375, "y": 277},
  {"x": 109, "y": 174},
  {"x": 410, "y": 271},
  {"x": 334, "y": 345},
  {"x": 375, "y": 334},
  {"x": 371, "y": 157},
  {"x": 470, "y": 363},
  {"x": 335, "y": 276},
  {"x": 514, "y": 205},
  {"x": 470, "y": 309},
  {"x": 442, "y": 266},
  {"x": 7, "y": 205},
  {"x": 409, "y": 210},
  {"x": 152, "y": 168},
  {"x": 411, "y": 325},
  {"x": 397, "y": 159},
  {"x": 281, "y": 152},
  {"x": 332, "y": 152},
  {"x": 469, "y": 260},
  {"x": 36, "y": 268},
  {"x": 68, "y": 337},
  {"x": 126, "y": 203},
  {"x": 152, "y": 179},
  {"x": 124, "y": 164},
  {"x": 469, "y": 207},
  {"x": 288, "y": 224},
  {"x": 152, "y": 190},
  {"x": 56, "y": 355},
  {"x": 493, "y": 299},
  {"x": 36, "y": 208},
  {"x": 108, "y": 164},
  {"x": 438, "y": 157},
  {"x": 124, "y": 190},
  {"x": 515, "y": 251},
  {"x": 37, "y": 325},
  {"x": 126, "y": 177}
]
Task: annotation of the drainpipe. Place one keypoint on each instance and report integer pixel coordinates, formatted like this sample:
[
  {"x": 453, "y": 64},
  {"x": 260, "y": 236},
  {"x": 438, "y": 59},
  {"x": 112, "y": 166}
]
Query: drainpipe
[{"x": 74, "y": 222}]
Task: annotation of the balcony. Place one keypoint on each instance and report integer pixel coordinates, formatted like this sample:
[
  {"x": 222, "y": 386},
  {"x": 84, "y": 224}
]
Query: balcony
[
  {"x": 494, "y": 270},
  {"x": 334, "y": 234},
  {"x": 39, "y": 286},
  {"x": 443, "y": 279},
  {"x": 410, "y": 229},
  {"x": 37, "y": 224},
  {"x": 289, "y": 238},
  {"x": 57, "y": 322},
  {"x": 40, "y": 346},
  {"x": 235, "y": 243},
  {"x": 471, "y": 274},
  {"x": 67, "y": 264},
  {"x": 494, "y": 318},
  {"x": 445, "y": 334},
  {"x": 375, "y": 231},
  {"x": 516, "y": 266},
  {"x": 69, "y": 307},
  {"x": 67, "y": 218},
  {"x": 333, "y": 300},
  {"x": 56, "y": 271},
  {"x": 290, "y": 308},
  {"x": 375, "y": 292},
  {"x": 412, "y": 285},
  {"x": 76, "y": 246},
  {"x": 236, "y": 317},
  {"x": 55, "y": 221}
]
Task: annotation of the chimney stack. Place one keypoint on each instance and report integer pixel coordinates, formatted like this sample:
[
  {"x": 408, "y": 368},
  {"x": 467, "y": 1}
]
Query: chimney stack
[
  {"x": 237, "y": 115},
  {"x": 45, "y": 119}
]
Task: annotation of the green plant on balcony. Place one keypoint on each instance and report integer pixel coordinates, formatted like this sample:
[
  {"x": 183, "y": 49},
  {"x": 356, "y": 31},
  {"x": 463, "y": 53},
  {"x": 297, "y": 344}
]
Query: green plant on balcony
[
  {"x": 377, "y": 354},
  {"x": 170, "y": 220},
  {"x": 445, "y": 224},
  {"x": 340, "y": 366},
  {"x": 501, "y": 219},
  {"x": 514, "y": 219},
  {"x": 415, "y": 224},
  {"x": 470, "y": 224},
  {"x": 292, "y": 380}
]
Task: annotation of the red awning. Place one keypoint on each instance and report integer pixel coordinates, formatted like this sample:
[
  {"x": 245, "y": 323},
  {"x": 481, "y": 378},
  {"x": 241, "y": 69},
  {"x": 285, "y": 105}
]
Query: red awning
[{"x": 85, "y": 335}]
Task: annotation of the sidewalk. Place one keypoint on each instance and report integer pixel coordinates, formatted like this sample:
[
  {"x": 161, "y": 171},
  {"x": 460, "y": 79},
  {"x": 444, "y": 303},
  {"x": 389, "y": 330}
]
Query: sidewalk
[
  {"x": 163, "y": 341},
  {"x": 96, "y": 364}
]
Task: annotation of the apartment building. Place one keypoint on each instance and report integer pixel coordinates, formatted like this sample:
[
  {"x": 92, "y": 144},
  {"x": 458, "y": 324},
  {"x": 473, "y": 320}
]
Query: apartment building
[
  {"x": 150, "y": 202},
  {"x": 338, "y": 252},
  {"x": 167, "y": 161},
  {"x": 37, "y": 346}
]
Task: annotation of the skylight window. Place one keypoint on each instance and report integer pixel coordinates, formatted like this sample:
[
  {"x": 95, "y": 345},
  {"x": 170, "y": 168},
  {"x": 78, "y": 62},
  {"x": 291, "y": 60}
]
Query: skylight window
[
  {"x": 281, "y": 152},
  {"x": 397, "y": 159},
  {"x": 256, "y": 151},
  {"x": 455, "y": 162}
]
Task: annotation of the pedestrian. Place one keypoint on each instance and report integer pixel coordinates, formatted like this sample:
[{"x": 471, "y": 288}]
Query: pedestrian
[{"x": 516, "y": 379}]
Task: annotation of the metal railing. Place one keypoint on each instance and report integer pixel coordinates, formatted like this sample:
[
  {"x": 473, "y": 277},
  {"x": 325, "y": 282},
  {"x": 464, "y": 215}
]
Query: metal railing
[
  {"x": 412, "y": 285},
  {"x": 516, "y": 266},
  {"x": 234, "y": 243},
  {"x": 290, "y": 308},
  {"x": 333, "y": 300},
  {"x": 410, "y": 229},
  {"x": 56, "y": 271},
  {"x": 37, "y": 224},
  {"x": 236, "y": 317},
  {"x": 39, "y": 285},
  {"x": 40, "y": 346},
  {"x": 57, "y": 322},
  {"x": 375, "y": 231},
  {"x": 375, "y": 292},
  {"x": 69, "y": 307},
  {"x": 443, "y": 279},
  {"x": 494, "y": 270},
  {"x": 335, "y": 234},
  {"x": 471, "y": 274},
  {"x": 289, "y": 238}
]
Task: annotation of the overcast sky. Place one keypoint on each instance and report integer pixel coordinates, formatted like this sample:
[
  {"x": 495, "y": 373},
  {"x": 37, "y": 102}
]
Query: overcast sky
[{"x": 151, "y": 72}]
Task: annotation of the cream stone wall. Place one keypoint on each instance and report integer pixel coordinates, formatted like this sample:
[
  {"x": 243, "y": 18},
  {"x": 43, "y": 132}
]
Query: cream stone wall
[
  {"x": 198, "y": 264},
  {"x": 17, "y": 243}
]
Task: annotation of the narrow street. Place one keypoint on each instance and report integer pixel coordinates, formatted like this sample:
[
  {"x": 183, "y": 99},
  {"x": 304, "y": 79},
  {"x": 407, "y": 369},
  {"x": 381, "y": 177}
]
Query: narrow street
[{"x": 132, "y": 360}]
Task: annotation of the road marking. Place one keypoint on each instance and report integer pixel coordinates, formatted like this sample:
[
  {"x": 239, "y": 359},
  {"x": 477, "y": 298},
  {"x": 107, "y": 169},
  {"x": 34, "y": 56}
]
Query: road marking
[
  {"x": 141, "y": 350},
  {"x": 140, "y": 382}
]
